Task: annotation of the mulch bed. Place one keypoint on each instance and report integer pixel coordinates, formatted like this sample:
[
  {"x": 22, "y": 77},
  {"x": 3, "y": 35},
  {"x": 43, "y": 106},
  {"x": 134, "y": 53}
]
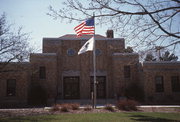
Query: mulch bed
[{"x": 42, "y": 111}]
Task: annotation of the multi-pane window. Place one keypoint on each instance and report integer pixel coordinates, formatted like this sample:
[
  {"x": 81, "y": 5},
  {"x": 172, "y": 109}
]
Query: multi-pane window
[
  {"x": 175, "y": 84},
  {"x": 159, "y": 85},
  {"x": 101, "y": 86},
  {"x": 42, "y": 72},
  {"x": 11, "y": 87},
  {"x": 127, "y": 72},
  {"x": 71, "y": 88}
]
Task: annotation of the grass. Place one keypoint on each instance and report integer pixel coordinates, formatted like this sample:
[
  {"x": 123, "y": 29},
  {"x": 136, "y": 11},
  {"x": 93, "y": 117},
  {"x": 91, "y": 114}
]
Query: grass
[{"x": 99, "y": 117}]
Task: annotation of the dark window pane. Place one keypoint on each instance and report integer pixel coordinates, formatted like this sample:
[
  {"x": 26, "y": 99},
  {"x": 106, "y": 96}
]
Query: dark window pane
[
  {"x": 71, "y": 88},
  {"x": 42, "y": 72},
  {"x": 98, "y": 52},
  {"x": 175, "y": 84},
  {"x": 101, "y": 86},
  {"x": 11, "y": 87},
  {"x": 71, "y": 52},
  {"x": 127, "y": 71},
  {"x": 159, "y": 84}
]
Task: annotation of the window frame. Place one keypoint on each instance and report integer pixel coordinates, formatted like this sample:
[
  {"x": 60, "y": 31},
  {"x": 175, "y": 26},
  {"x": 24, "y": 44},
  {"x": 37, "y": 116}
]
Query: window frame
[
  {"x": 159, "y": 87},
  {"x": 71, "y": 87},
  {"x": 98, "y": 52},
  {"x": 175, "y": 87},
  {"x": 71, "y": 52},
  {"x": 100, "y": 86},
  {"x": 127, "y": 71},
  {"x": 11, "y": 90},
  {"x": 42, "y": 72}
]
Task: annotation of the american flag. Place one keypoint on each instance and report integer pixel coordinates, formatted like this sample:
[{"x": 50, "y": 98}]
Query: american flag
[{"x": 86, "y": 27}]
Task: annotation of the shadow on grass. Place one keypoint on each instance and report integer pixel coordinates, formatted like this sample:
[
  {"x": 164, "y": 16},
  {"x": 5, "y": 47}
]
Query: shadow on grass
[{"x": 151, "y": 119}]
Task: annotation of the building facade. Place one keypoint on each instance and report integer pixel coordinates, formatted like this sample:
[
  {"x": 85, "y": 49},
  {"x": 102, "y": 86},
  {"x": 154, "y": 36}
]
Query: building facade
[
  {"x": 65, "y": 75},
  {"x": 162, "y": 81}
]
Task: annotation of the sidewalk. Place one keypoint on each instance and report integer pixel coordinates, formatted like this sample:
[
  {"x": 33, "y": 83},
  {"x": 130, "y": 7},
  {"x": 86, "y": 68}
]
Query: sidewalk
[
  {"x": 146, "y": 106},
  {"x": 160, "y": 106}
]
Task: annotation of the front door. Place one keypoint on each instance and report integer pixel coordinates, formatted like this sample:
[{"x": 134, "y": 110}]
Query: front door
[
  {"x": 101, "y": 86},
  {"x": 71, "y": 88}
]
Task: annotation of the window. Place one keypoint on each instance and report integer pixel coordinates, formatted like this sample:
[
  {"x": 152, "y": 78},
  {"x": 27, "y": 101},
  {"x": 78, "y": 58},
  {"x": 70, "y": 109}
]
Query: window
[
  {"x": 42, "y": 72},
  {"x": 101, "y": 86},
  {"x": 175, "y": 85},
  {"x": 71, "y": 52},
  {"x": 127, "y": 72},
  {"x": 159, "y": 84},
  {"x": 71, "y": 88},
  {"x": 11, "y": 87},
  {"x": 98, "y": 52}
]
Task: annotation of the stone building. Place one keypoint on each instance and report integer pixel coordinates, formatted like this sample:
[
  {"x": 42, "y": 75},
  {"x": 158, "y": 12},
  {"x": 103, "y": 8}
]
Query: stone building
[
  {"x": 65, "y": 75},
  {"x": 162, "y": 81},
  {"x": 14, "y": 81}
]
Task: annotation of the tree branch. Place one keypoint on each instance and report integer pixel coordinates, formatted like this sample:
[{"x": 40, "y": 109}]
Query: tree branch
[{"x": 158, "y": 24}]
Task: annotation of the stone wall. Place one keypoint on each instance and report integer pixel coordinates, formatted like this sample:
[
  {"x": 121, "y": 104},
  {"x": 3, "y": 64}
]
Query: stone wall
[
  {"x": 49, "y": 61},
  {"x": 82, "y": 65},
  {"x": 119, "y": 82},
  {"x": 21, "y": 73},
  {"x": 51, "y": 45},
  {"x": 166, "y": 70},
  {"x": 110, "y": 62}
]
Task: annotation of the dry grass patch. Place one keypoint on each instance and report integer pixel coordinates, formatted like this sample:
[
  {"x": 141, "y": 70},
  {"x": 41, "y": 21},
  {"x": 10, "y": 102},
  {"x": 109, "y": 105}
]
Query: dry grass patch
[
  {"x": 127, "y": 105},
  {"x": 109, "y": 107},
  {"x": 55, "y": 107},
  {"x": 75, "y": 106},
  {"x": 65, "y": 107}
]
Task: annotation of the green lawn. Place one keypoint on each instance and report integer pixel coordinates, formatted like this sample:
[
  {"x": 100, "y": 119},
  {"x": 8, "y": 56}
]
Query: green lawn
[{"x": 100, "y": 117}]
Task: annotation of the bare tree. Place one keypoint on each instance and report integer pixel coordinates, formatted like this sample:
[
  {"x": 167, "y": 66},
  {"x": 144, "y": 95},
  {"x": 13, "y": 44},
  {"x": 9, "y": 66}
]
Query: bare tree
[
  {"x": 14, "y": 45},
  {"x": 150, "y": 57},
  {"x": 145, "y": 23},
  {"x": 128, "y": 50},
  {"x": 166, "y": 56}
]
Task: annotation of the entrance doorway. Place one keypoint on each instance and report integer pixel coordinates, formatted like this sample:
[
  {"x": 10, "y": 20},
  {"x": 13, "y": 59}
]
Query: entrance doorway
[
  {"x": 101, "y": 86},
  {"x": 71, "y": 88}
]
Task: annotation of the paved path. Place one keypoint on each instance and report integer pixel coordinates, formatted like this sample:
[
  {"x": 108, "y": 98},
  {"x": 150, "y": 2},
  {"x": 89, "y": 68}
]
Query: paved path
[
  {"x": 149, "y": 106},
  {"x": 160, "y": 106}
]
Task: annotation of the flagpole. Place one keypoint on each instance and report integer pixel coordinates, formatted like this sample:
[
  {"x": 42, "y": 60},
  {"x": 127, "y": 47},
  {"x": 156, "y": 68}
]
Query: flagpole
[{"x": 94, "y": 64}]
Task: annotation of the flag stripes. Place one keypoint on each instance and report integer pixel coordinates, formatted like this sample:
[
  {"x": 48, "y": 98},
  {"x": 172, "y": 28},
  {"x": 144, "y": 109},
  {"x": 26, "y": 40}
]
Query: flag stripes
[{"x": 86, "y": 27}]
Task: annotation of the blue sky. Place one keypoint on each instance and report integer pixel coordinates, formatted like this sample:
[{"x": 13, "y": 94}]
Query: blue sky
[{"x": 31, "y": 15}]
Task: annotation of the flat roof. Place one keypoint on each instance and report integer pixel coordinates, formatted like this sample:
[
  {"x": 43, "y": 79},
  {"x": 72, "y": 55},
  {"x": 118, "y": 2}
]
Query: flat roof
[
  {"x": 83, "y": 37},
  {"x": 116, "y": 54},
  {"x": 44, "y": 54},
  {"x": 161, "y": 62}
]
